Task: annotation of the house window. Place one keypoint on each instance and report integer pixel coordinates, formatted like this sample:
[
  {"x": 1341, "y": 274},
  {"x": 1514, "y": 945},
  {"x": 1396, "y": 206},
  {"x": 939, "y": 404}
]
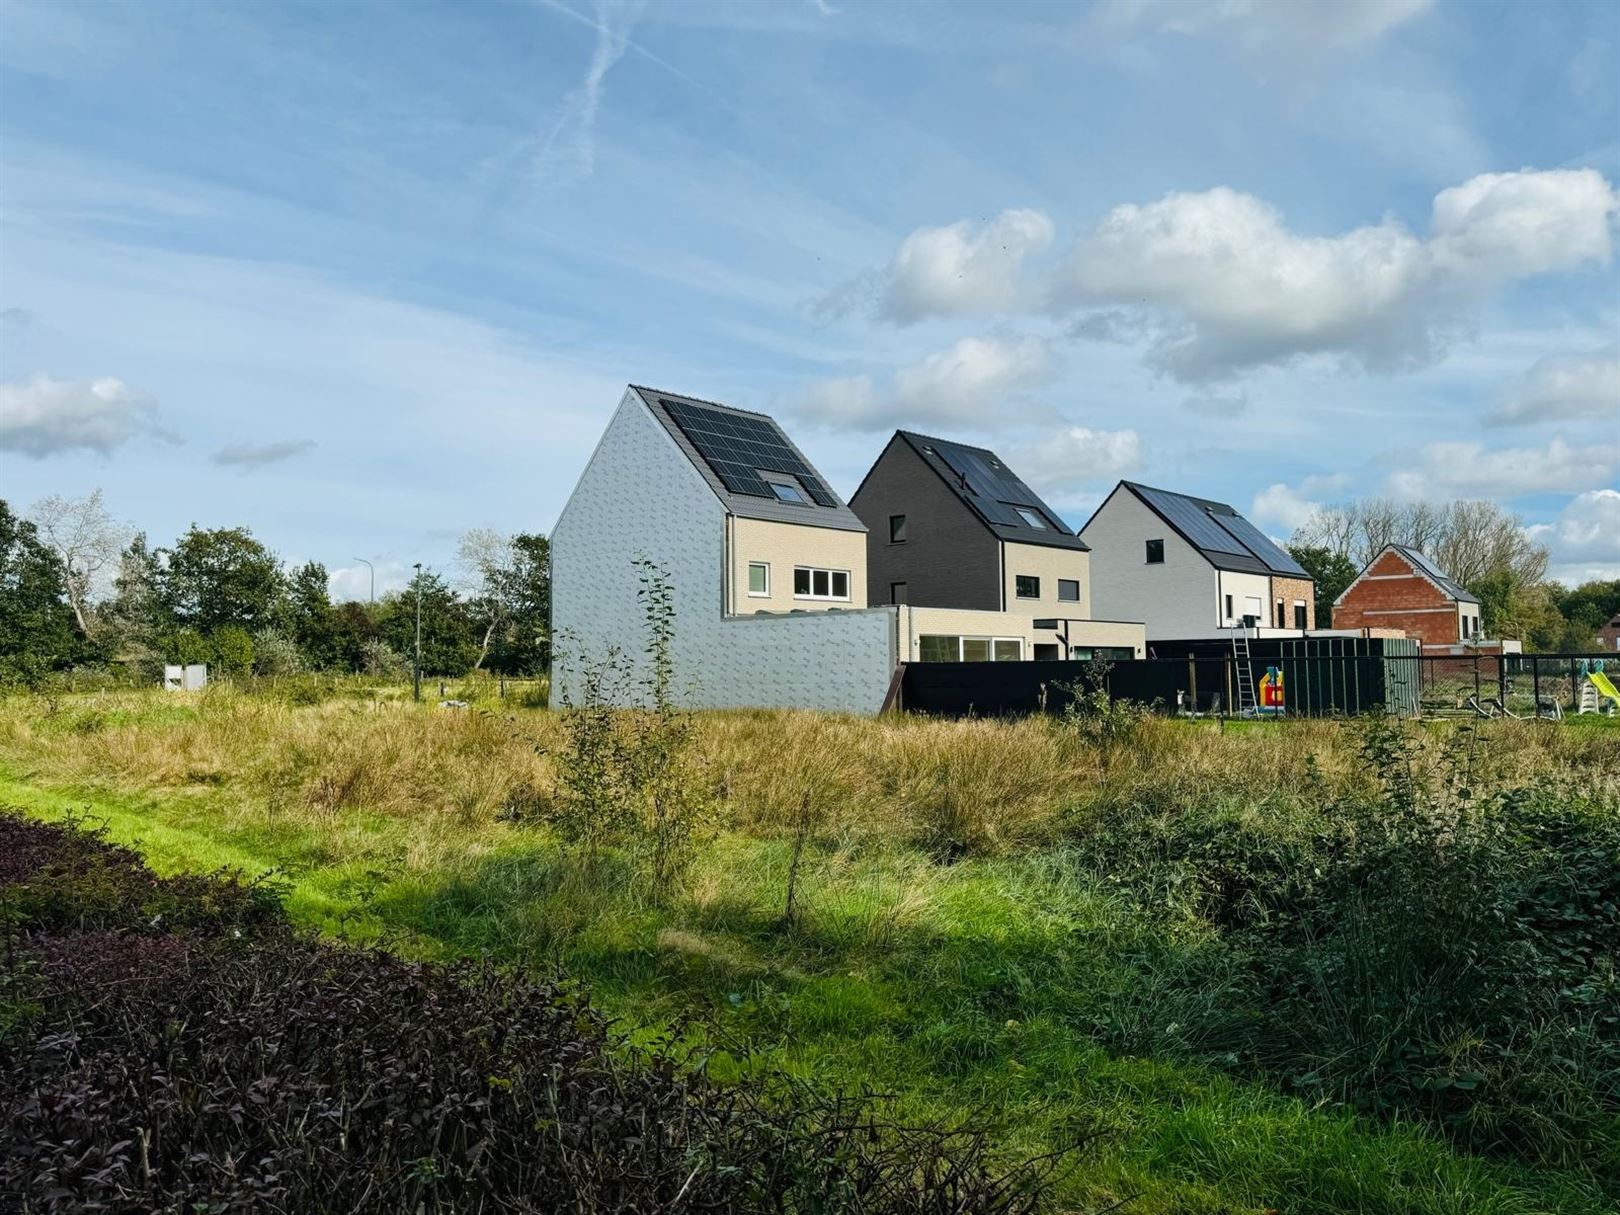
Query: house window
[
  {"x": 786, "y": 491},
  {"x": 1229, "y": 607},
  {"x": 1155, "y": 552},
  {"x": 944, "y": 648},
  {"x": 897, "y": 529},
  {"x": 1280, "y": 617},
  {"x": 897, "y": 592},
  {"x": 1299, "y": 614},
  {"x": 812, "y": 583},
  {"x": 1031, "y": 518},
  {"x": 1028, "y": 586},
  {"x": 759, "y": 579},
  {"x": 1069, "y": 590}
]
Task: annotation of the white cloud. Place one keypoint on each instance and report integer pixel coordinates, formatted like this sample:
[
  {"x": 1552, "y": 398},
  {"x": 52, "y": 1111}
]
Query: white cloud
[
  {"x": 1464, "y": 469},
  {"x": 1291, "y": 506},
  {"x": 957, "y": 386},
  {"x": 256, "y": 455},
  {"x": 1216, "y": 283},
  {"x": 1562, "y": 387},
  {"x": 1267, "y": 25},
  {"x": 1231, "y": 287},
  {"x": 957, "y": 270},
  {"x": 347, "y": 583},
  {"x": 1584, "y": 540},
  {"x": 45, "y": 417},
  {"x": 1077, "y": 454}
]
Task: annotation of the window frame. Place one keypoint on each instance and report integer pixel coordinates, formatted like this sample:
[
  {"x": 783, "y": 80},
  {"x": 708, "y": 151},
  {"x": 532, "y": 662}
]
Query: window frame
[
  {"x": 830, "y": 573},
  {"x": 1231, "y": 610},
  {"x": 897, "y": 529},
  {"x": 1302, "y": 619},
  {"x": 1018, "y": 586},
  {"x": 1032, "y": 517},
  {"x": 1063, "y": 582},
  {"x": 962, "y": 640},
  {"x": 1148, "y": 551},
  {"x": 759, "y": 565},
  {"x": 904, "y": 590}
]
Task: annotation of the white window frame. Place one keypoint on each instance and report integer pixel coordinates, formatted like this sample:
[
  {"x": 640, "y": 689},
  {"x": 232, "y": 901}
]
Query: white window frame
[
  {"x": 813, "y": 570},
  {"x": 963, "y": 639},
  {"x": 759, "y": 565}
]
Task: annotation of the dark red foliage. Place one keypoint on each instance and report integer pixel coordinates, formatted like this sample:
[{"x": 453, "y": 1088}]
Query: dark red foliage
[{"x": 238, "y": 1065}]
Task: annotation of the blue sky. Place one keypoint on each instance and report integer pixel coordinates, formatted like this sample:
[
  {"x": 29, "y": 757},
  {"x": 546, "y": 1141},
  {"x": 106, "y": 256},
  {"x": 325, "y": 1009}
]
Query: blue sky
[{"x": 365, "y": 275}]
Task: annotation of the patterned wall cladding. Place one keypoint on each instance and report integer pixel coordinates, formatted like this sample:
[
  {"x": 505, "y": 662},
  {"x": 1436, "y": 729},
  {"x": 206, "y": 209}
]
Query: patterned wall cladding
[{"x": 641, "y": 496}]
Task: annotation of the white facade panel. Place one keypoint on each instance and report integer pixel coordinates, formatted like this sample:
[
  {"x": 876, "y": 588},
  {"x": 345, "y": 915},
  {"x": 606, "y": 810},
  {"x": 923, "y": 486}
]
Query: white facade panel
[{"x": 1176, "y": 598}]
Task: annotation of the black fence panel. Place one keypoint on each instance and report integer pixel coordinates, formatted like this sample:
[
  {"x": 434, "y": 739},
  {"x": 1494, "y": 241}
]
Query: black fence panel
[{"x": 1292, "y": 680}]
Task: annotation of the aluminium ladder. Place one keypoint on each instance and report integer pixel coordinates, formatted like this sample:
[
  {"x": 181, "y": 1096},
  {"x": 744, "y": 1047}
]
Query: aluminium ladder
[{"x": 1243, "y": 674}]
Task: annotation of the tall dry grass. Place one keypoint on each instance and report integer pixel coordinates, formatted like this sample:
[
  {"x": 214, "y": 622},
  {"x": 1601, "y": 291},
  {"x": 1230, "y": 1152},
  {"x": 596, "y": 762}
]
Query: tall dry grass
[{"x": 975, "y": 785}]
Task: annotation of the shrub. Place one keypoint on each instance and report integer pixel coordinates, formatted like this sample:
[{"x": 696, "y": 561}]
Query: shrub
[
  {"x": 259, "y": 1069},
  {"x": 276, "y": 654}
]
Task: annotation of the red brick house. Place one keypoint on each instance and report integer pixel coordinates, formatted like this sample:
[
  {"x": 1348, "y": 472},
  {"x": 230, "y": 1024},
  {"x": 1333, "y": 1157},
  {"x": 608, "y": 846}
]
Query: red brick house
[
  {"x": 1403, "y": 589},
  {"x": 1609, "y": 635}
]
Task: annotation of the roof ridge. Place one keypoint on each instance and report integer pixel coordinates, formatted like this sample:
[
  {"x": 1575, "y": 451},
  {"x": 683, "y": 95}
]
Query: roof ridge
[
  {"x": 669, "y": 392},
  {"x": 1180, "y": 494}
]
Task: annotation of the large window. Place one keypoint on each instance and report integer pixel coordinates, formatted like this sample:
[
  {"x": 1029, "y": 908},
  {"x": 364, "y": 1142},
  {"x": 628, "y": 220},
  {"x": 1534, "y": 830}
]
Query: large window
[
  {"x": 1155, "y": 552},
  {"x": 897, "y": 529},
  {"x": 759, "y": 578},
  {"x": 1102, "y": 653},
  {"x": 812, "y": 583},
  {"x": 937, "y": 647},
  {"x": 1028, "y": 586},
  {"x": 1069, "y": 590}
]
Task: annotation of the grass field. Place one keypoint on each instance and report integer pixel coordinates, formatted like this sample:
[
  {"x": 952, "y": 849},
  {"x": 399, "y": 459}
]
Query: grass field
[{"x": 1063, "y": 937}]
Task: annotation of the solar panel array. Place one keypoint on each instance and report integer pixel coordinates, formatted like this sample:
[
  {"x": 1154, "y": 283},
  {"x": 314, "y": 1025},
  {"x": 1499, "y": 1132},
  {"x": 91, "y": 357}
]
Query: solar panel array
[
  {"x": 996, "y": 490},
  {"x": 1262, "y": 546},
  {"x": 1220, "y": 532},
  {"x": 738, "y": 446}
]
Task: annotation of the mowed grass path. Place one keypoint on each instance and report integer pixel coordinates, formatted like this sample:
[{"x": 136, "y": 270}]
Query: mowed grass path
[{"x": 977, "y": 989}]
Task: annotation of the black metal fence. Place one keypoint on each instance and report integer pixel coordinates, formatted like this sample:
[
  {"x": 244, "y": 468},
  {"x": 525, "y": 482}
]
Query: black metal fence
[{"x": 1302, "y": 683}]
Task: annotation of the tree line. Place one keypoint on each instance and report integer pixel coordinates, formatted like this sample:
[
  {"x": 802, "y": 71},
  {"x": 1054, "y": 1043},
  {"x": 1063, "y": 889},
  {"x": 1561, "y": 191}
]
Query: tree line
[
  {"x": 1478, "y": 544},
  {"x": 79, "y": 589}
]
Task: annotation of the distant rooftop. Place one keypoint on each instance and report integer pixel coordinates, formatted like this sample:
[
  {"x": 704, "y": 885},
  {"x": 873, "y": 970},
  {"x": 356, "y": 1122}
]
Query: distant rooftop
[
  {"x": 1455, "y": 589},
  {"x": 1011, "y": 509}
]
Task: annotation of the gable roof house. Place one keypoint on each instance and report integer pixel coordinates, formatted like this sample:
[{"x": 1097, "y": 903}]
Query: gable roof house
[
  {"x": 1192, "y": 567},
  {"x": 952, "y": 530},
  {"x": 767, "y": 565},
  {"x": 1402, "y": 589}
]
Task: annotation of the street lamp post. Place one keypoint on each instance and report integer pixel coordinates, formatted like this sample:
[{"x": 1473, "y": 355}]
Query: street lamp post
[
  {"x": 373, "y": 570},
  {"x": 416, "y": 662}
]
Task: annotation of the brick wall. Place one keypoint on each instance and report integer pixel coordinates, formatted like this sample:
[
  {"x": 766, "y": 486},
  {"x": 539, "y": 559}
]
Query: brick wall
[
  {"x": 1290, "y": 589},
  {"x": 1391, "y": 595}
]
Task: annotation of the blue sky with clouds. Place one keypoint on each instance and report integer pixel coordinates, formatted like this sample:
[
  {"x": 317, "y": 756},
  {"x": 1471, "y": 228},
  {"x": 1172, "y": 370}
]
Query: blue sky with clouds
[{"x": 363, "y": 276}]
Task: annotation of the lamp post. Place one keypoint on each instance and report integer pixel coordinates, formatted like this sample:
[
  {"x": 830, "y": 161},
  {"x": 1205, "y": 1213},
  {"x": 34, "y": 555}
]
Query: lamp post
[
  {"x": 373, "y": 570},
  {"x": 416, "y": 661}
]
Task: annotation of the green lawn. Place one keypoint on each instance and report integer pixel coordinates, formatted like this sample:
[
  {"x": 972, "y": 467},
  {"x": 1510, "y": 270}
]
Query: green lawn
[{"x": 984, "y": 988}]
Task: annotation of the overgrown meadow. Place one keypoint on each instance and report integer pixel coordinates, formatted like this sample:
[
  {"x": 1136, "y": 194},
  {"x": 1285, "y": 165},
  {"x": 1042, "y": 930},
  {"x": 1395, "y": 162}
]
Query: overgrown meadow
[{"x": 1298, "y": 966}]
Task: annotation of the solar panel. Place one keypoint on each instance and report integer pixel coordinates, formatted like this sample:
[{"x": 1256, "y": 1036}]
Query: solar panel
[
  {"x": 1260, "y": 544},
  {"x": 1194, "y": 522},
  {"x": 738, "y": 447},
  {"x": 996, "y": 491}
]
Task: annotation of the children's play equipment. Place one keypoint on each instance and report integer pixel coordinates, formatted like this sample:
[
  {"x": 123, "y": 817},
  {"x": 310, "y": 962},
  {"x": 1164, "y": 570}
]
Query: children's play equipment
[{"x": 1597, "y": 688}]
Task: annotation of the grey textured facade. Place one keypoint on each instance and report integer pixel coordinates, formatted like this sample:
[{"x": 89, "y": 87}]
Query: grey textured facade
[
  {"x": 949, "y": 557},
  {"x": 643, "y": 495}
]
